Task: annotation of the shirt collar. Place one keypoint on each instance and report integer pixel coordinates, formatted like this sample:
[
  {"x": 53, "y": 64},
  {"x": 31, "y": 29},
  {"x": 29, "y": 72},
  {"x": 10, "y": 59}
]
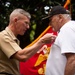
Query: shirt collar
[{"x": 12, "y": 35}]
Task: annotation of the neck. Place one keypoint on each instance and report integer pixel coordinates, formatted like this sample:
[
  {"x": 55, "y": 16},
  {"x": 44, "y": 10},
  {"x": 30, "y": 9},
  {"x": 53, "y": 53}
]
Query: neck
[
  {"x": 12, "y": 28},
  {"x": 65, "y": 21}
]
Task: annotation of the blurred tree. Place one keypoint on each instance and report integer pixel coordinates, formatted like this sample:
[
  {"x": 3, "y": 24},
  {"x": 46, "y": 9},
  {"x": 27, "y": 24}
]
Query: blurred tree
[{"x": 37, "y": 9}]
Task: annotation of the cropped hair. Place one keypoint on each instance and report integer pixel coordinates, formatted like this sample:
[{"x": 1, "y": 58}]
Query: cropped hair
[
  {"x": 68, "y": 16},
  {"x": 18, "y": 12}
]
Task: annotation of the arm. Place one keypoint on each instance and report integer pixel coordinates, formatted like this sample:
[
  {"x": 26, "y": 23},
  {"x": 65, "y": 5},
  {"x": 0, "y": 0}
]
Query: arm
[
  {"x": 70, "y": 65},
  {"x": 26, "y": 53},
  {"x": 43, "y": 48}
]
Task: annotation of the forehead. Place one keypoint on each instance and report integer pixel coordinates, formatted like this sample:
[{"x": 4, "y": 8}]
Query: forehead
[{"x": 23, "y": 17}]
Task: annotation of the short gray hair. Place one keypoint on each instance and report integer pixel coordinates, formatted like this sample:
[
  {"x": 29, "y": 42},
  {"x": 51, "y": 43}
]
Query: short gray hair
[
  {"x": 20, "y": 11},
  {"x": 67, "y": 15}
]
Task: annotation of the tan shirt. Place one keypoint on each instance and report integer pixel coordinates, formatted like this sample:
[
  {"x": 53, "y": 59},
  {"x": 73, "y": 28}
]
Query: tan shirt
[{"x": 9, "y": 45}]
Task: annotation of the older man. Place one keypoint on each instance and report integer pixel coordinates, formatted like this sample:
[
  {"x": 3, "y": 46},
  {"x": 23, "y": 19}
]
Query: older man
[{"x": 61, "y": 60}]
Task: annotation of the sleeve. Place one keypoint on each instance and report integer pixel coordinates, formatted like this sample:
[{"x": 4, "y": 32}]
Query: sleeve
[
  {"x": 8, "y": 46},
  {"x": 67, "y": 40}
]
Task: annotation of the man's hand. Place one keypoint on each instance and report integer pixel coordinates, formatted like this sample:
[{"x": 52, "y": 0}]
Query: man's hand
[{"x": 48, "y": 38}]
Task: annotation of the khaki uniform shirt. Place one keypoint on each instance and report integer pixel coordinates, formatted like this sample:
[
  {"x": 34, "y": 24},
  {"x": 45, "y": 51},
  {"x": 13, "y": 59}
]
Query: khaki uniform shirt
[{"x": 9, "y": 45}]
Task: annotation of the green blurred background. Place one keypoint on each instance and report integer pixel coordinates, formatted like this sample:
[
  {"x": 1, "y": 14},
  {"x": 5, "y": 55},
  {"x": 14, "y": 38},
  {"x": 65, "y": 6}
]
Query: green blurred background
[{"x": 38, "y": 9}]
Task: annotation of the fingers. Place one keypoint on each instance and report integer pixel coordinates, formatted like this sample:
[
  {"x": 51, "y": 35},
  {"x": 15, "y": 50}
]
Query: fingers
[{"x": 48, "y": 38}]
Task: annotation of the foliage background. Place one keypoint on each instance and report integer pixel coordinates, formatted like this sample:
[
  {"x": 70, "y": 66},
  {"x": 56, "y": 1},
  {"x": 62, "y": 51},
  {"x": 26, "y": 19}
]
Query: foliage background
[{"x": 37, "y": 10}]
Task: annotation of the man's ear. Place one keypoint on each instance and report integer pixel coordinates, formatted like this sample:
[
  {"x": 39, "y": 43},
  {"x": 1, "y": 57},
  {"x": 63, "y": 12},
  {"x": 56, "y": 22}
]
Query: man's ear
[
  {"x": 60, "y": 18},
  {"x": 15, "y": 19}
]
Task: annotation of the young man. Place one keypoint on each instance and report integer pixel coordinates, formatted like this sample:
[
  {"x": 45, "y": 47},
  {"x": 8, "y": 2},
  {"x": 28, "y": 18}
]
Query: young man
[{"x": 10, "y": 51}]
